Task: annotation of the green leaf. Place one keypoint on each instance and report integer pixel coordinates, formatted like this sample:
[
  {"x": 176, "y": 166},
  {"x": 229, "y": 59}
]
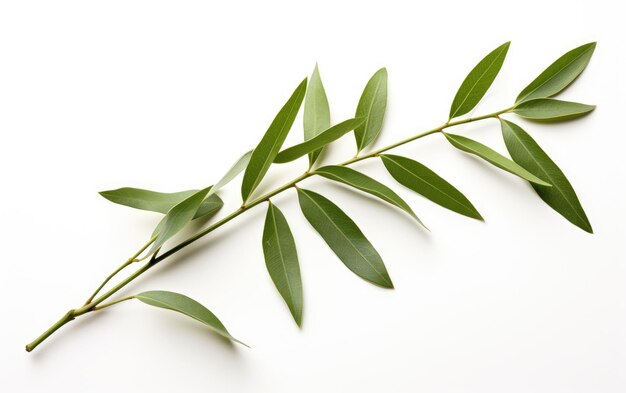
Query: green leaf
[
  {"x": 372, "y": 106},
  {"x": 561, "y": 196},
  {"x": 281, "y": 260},
  {"x": 269, "y": 146},
  {"x": 495, "y": 158},
  {"x": 344, "y": 238},
  {"x": 185, "y": 305},
  {"x": 366, "y": 184},
  {"x": 160, "y": 202},
  {"x": 234, "y": 170},
  {"x": 314, "y": 144},
  {"x": 559, "y": 74},
  {"x": 316, "y": 111},
  {"x": 424, "y": 181},
  {"x": 478, "y": 81},
  {"x": 549, "y": 109},
  {"x": 177, "y": 218}
]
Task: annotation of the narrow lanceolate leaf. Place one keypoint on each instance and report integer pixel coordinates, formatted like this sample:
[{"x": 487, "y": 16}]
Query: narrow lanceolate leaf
[
  {"x": 177, "y": 218},
  {"x": 344, "y": 238},
  {"x": 561, "y": 196},
  {"x": 316, "y": 111},
  {"x": 424, "y": 181},
  {"x": 185, "y": 305},
  {"x": 265, "y": 152},
  {"x": 365, "y": 183},
  {"x": 478, "y": 81},
  {"x": 320, "y": 140},
  {"x": 234, "y": 170},
  {"x": 495, "y": 158},
  {"x": 559, "y": 74},
  {"x": 160, "y": 202},
  {"x": 281, "y": 260},
  {"x": 549, "y": 109},
  {"x": 372, "y": 106}
]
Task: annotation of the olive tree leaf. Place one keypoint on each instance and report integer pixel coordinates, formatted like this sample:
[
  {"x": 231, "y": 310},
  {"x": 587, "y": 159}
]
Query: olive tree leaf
[
  {"x": 317, "y": 142},
  {"x": 269, "y": 146},
  {"x": 561, "y": 196},
  {"x": 366, "y": 184},
  {"x": 281, "y": 259},
  {"x": 177, "y": 218},
  {"x": 424, "y": 181},
  {"x": 185, "y": 305},
  {"x": 471, "y": 146},
  {"x": 344, "y": 238},
  {"x": 478, "y": 81},
  {"x": 316, "y": 111},
  {"x": 234, "y": 170},
  {"x": 549, "y": 109},
  {"x": 559, "y": 74},
  {"x": 160, "y": 202},
  {"x": 372, "y": 106}
]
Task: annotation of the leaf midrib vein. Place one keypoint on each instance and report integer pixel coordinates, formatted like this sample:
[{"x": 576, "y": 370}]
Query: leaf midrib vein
[
  {"x": 346, "y": 237},
  {"x": 430, "y": 184},
  {"x": 475, "y": 83},
  {"x": 552, "y": 77},
  {"x": 554, "y": 184},
  {"x": 280, "y": 252}
]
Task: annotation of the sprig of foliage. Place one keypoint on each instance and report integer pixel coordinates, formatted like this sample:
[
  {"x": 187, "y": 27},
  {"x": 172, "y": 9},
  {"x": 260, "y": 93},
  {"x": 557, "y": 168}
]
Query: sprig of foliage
[{"x": 528, "y": 161}]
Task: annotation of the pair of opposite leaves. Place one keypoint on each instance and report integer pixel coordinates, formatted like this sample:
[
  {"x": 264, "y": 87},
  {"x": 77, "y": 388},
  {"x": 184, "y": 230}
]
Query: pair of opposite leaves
[{"x": 342, "y": 235}]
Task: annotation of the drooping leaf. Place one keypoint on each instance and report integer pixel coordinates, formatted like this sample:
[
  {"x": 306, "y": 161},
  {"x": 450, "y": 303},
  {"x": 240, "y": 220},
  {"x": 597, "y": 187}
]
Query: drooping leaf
[
  {"x": 372, "y": 106},
  {"x": 559, "y": 74},
  {"x": 320, "y": 140},
  {"x": 281, "y": 259},
  {"x": 234, "y": 170},
  {"x": 424, "y": 181},
  {"x": 177, "y": 218},
  {"x": 561, "y": 196},
  {"x": 471, "y": 146},
  {"x": 185, "y": 305},
  {"x": 478, "y": 81},
  {"x": 549, "y": 109},
  {"x": 160, "y": 202},
  {"x": 366, "y": 184},
  {"x": 344, "y": 238},
  {"x": 316, "y": 111},
  {"x": 269, "y": 146}
]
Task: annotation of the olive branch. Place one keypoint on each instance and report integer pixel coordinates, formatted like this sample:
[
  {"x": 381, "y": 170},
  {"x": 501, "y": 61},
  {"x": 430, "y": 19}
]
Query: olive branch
[{"x": 528, "y": 161}]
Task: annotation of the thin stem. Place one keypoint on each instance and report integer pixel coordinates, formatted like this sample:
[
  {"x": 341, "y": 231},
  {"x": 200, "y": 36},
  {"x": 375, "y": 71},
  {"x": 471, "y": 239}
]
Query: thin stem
[
  {"x": 92, "y": 304},
  {"x": 100, "y": 307},
  {"x": 69, "y": 316},
  {"x": 119, "y": 269}
]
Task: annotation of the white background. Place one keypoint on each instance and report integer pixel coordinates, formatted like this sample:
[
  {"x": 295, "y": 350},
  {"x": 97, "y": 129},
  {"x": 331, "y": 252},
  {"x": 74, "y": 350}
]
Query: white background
[{"x": 165, "y": 95}]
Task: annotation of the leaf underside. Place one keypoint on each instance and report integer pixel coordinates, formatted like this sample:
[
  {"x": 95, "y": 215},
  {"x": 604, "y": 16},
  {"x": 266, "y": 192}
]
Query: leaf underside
[
  {"x": 366, "y": 184},
  {"x": 549, "y": 109},
  {"x": 471, "y": 146},
  {"x": 185, "y": 305},
  {"x": 316, "y": 111},
  {"x": 160, "y": 202}
]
